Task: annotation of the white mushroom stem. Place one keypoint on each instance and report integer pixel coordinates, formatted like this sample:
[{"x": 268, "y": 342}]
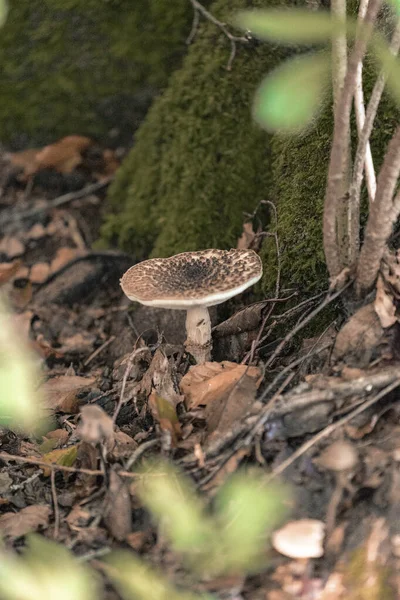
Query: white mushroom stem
[{"x": 198, "y": 331}]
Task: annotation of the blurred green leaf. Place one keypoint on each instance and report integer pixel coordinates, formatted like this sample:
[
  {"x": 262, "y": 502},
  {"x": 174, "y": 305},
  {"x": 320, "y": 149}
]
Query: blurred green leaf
[
  {"x": 136, "y": 581},
  {"x": 3, "y": 12},
  {"x": 290, "y": 96},
  {"x": 44, "y": 572},
  {"x": 172, "y": 500},
  {"x": 396, "y": 6},
  {"x": 295, "y": 26},
  {"x": 390, "y": 65},
  {"x": 248, "y": 510},
  {"x": 20, "y": 403}
]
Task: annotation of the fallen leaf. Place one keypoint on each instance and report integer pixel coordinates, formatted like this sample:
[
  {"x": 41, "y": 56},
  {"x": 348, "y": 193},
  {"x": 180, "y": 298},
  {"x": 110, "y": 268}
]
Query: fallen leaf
[
  {"x": 232, "y": 404},
  {"x": 63, "y": 257},
  {"x": 384, "y": 305},
  {"x": 159, "y": 377},
  {"x": 61, "y": 435},
  {"x": 11, "y": 246},
  {"x": 39, "y": 272},
  {"x": 8, "y": 270},
  {"x": 25, "y": 160},
  {"x": 77, "y": 344},
  {"x": 65, "y": 457},
  {"x": 96, "y": 426},
  {"x": 118, "y": 508},
  {"x": 62, "y": 156},
  {"x": 60, "y": 392},
  {"x": 247, "y": 237},
  {"x": 209, "y": 381},
  {"x": 124, "y": 445},
  {"x": 14, "y": 525},
  {"x": 165, "y": 414},
  {"x": 21, "y": 293},
  {"x": 78, "y": 518},
  {"x": 36, "y": 232}
]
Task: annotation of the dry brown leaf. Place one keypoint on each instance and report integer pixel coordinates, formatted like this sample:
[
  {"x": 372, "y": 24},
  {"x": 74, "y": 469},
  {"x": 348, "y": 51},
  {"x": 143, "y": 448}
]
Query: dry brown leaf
[
  {"x": 210, "y": 381},
  {"x": 36, "y": 232},
  {"x": 247, "y": 237},
  {"x": 61, "y": 435},
  {"x": 11, "y": 246},
  {"x": 77, "y": 344},
  {"x": 159, "y": 377},
  {"x": 384, "y": 305},
  {"x": 60, "y": 392},
  {"x": 9, "y": 270},
  {"x": 39, "y": 272},
  {"x": 165, "y": 414},
  {"x": 14, "y": 525},
  {"x": 63, "y": 257},
  {"x": 118, "y": 508},
  {"x": 232, "y": 405},
  {"x": 25, "y": 160},
  {"x": 78, "y": 518},
  {"x": 21, "y": 293},
  {"x": 96, "y": 426},
  {"x": 62, "y": 156},
  {"x": 124, "y": 445}
]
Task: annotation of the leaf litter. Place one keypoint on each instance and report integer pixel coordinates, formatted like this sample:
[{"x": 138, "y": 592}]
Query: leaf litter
[{"x": 119, "y": 396}]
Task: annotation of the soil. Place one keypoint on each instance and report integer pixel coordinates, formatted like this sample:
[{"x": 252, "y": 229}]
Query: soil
[{"x": 98, "y": 350}]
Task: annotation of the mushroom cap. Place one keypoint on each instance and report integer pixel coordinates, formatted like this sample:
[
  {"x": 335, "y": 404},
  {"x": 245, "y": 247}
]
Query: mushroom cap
[
  {"x": 190, "y": 279},
  {"x": 339, "y": 456},
  {"x": 300, "y": 539}
]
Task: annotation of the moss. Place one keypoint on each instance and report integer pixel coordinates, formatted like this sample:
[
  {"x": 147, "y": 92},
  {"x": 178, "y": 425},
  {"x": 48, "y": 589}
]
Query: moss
[
  {"x": 85, "y": 66},
  {"x": 199, "y": 161},
  {"x": 299, "y": 171}
]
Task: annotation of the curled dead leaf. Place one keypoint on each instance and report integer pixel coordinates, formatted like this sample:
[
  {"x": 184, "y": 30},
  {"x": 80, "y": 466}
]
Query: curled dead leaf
[
  {"x": 207, "y": 382},
  {"x": 60, "y": 392},
  {"x": 31, "y": 518},
  {"x": 118, "y": 508}
]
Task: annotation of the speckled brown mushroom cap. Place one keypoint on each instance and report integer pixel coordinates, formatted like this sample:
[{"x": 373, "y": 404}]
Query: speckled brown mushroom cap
[{"x": 203, "y": 278}]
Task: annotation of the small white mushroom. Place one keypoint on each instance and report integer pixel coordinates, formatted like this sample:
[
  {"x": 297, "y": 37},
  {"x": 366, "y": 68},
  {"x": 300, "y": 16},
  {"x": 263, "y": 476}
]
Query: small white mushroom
[
  {"x": 302, "y": 539},
  {"x": 193, "y": 281},
  {"x": 341, "y": 458}
]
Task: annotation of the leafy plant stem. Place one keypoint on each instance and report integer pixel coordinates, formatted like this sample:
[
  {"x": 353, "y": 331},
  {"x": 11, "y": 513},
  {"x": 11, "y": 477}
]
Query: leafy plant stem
[
  {"x": 338, "y": 159},
  {"x": 364, "y": 135},
  {"x": 381, "y": 218}
]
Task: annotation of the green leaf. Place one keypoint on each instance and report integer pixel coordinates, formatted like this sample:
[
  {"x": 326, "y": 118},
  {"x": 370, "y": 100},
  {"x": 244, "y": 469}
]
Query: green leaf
[
  {"x": 295, "y": 26},
  {"x": 135, "y": 580},
  {"x": 3, "y": 12},
  {"x": 290, "y": 96},
  {"x": 390, "y": 65},
  {"x": 248, "y": 510},
  {"x": 44, "y": 572},
  {"x": 396, "y": 6}
]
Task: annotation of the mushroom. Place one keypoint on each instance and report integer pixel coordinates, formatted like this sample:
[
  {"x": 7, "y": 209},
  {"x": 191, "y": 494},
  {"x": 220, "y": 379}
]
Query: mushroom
[
  {"x": 341, "y": 458},
  {"x": 193, "y": 281},
  {"x": 302, "y": 539}
]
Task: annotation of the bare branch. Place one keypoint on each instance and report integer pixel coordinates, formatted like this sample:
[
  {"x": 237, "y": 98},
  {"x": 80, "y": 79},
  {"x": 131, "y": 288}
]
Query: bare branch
[
  {"x": 355, "y": 187},
  {"x": 381, "y": 218},
  {"x": 234, "y": 39},
  {"x": 339, "y": 152},
  {"x": 360, "y": 118}
]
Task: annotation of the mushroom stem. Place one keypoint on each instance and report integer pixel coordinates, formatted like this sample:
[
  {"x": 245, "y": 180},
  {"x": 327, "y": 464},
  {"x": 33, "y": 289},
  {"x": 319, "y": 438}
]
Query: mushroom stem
[{"x": 198, "y": 331}]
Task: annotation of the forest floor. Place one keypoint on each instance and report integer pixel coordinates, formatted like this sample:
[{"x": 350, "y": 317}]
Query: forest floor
[{"x": 266, "y": 401}]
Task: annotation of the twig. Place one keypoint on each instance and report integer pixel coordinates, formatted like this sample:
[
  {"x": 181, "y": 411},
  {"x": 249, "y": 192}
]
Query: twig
[
  {"x": 360, "y": 119},
  {"x": 381, "y": 218},
  {"x": 327, "y": 300},
  {"x": 195, "y": 24},
  {"x": 60, "y": 201},
  {"x": 234, "y": 39},
  {"x": 41, "y": 463},
  {"x": 98, "y": 350},
  {"x": 129, "y": 366},
  {"x": 139, "y": 451},
  {"x": 363, "y": 140},
  {"x": 55, "y": 504},
  {"x": 331, "y": 428},
  {"x": 339, "y": 153}
]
